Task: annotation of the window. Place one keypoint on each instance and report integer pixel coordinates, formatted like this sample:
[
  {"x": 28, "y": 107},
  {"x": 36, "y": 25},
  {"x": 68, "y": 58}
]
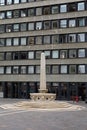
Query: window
[
  {"x": 31, "y": 41},
  {"x": 38, "y": 11},
  {"x": 54, "y": 24},
  {"x": 15, "y": 41},
  {"x": 48, "y": 69},
  {"x": 47, "y": 25},
  {"x": 81, "y": 37},
  {"x": 16, "y": 13},
  {"x": 2, "y": 2},
  {"x": 72, "y": 53},
  {"x": 2, "y": 42},
  {"x": 8, "y": 56},
  {"x": 8, "y": 28},
  {"x": 30, "y": 69},
  {"x": 54, "y": 9},
  {"x": 31, "y": 55},
  {"x": 38, "y": 25},
  {"x": 81, "y": 22},
  {"x": 81, "y": 69},
  {"x": 55, "y": 39},
  {"x": 2, "y": 15},
  {"x": 38, "y": 54},
  {"x": 23, "y": 41},
  {"x": 2, "y": 28},
  {"x": 16, "y": 27},
  {"x": 23, "y": 26},
  {"x": 8, "y": 42},
  {"x": 72, "y": 69},
  {"x": 38, "y": 40},
  {"x": 47, "y": 54},
  {"x": 46, "y": 39},
  {"x": 9, "y": 14},
  {"x": 63, "y": 69},
  {"x": 9, "y": 2},
  {"x": 1, "y": 56},
  {"x": 23, "y": 1},
  {"x": 16, "y": 55},
  {"x": 71, "y": 7},
  {"x": 23, "y": 55},
  {"x": 15, "y": 69},
  {"x": 31, "y": 0},
  {"x": 31, "y": 26},
  {"x": 63, "y": 38},
  {"x": 16, "y": 1},
  {"x": 1, "y": 70},
  {"x": 55, "y": 54},
  {"x": 63, "y": 8},
  {"x": 72, "y": 37},
  {"x": 63, "y": 54},
  {"x": 55, "y": 69},
  {"x": 8, "y": 70},
  {"x": 63, "y": 23},
  {"x": 81, "y": 6},
  {"x": 37, "y": 69},
  {"x": 81, "y": 53},
  {"x": 23, "y": 70},
  {"x": 72, "y": 23},
  {"x": 46, "y": 10},
  {"x": 23, "y": 13},
  {"x": 31, "y": 12}
]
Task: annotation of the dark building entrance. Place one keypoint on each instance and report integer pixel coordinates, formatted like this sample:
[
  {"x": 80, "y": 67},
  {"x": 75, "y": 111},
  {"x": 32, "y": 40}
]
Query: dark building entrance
[
  {"x": 64, "y": 90},
  {"x": 19, "y": 89}
]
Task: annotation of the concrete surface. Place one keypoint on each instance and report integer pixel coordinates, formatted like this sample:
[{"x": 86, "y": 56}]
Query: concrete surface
[{"x": 12, "y": 119}]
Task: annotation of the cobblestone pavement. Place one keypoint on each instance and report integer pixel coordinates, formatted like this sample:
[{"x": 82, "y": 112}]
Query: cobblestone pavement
[{"x": 12, "y": 119}]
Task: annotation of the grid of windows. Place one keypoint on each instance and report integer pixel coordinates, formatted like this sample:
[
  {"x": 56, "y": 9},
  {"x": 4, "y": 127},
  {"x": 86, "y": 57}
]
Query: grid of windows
[
  {"x": 46, "y": 39},
  {"x": 59, "y": 8},
  {"x": 44, "y": 25},
  {"x": 50, "y": 69},
  {"x": 49, "y": 54}
]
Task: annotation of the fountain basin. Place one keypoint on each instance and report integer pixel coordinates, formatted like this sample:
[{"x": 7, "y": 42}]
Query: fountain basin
[{"x": 42, "y": 96}]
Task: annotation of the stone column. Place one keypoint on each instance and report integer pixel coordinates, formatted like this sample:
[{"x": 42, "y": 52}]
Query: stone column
[{"x": 42, "y": 74}]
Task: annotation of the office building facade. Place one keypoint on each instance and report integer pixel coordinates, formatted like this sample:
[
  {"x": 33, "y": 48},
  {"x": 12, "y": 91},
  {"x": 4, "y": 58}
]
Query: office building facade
[{"x": 57, "y": 28}]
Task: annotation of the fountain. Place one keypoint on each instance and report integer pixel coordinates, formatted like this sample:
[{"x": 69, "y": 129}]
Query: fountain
[{"x": 42, "y": 95}]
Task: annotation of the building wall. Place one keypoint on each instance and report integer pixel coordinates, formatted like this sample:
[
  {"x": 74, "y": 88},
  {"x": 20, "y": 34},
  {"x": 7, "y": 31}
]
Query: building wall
[{"x": 51, "y": 77}]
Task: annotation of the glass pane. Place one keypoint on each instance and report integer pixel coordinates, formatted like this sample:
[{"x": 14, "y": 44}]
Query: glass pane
[
  {"x": 55, "y": 54},
  {"x": 54, "y": 9},
  {"x": 81, "y": 37},
  {"x": 63, "y": 69},
  {"x": 15, "y": 41},
  {"x": 31, "y": 26},
  {"x": 15, "y": 69},
  {"x": 81, "y": 6},
  {"x": 38, "y": 40},
  {"x": 23, "y": 41},
  {"x": 72, "y": 69},
  {"x": 2, "y": 42},
  {"x": 81, "y": 69},
  {"x": 1, "y": 70},
  {"x": 30, "y": 69},
  {"x": 63, "y": 23},
  {"x": 1, "y": 56},
  {"x": 23, "y": 69},
  {"x": 63, "y": 8},
  {"x": 81, "y": 53},
  {"x": 30, "y": 55},
  {"x": 8, "y": 70}
]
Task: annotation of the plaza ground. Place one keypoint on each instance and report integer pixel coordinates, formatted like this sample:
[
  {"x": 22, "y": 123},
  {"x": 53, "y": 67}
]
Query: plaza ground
[{"x": 40, "y": 119}]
